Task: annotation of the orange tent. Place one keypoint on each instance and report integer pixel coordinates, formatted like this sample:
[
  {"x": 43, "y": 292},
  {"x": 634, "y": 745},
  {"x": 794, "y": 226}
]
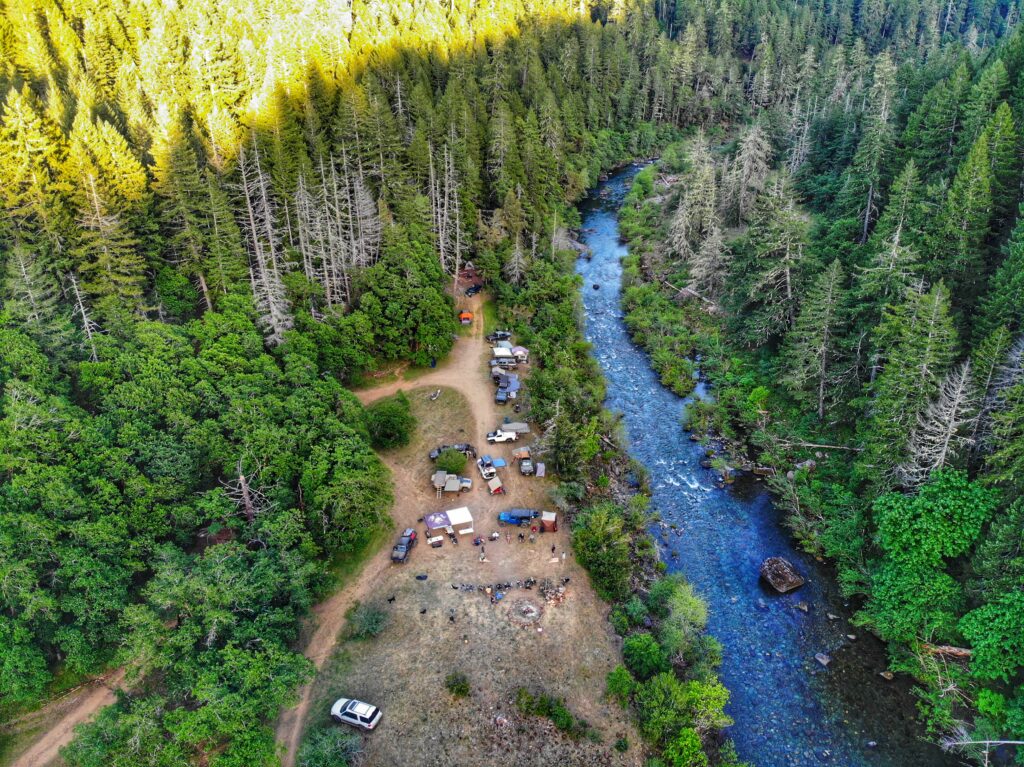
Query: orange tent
[{"x": 466, "y": 318}]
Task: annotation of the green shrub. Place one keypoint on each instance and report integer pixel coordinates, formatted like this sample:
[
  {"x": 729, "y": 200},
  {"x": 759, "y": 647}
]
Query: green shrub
[
  {"x": 366, "y": 621},
  {"x": 685, "y": 750},
  {"x": 636, "y": 610},
  {"x": 644, "y": 656},
  {"x": 451, "y": 461},
  {"x": 329, "y": 747},
  {"x": 457, "y": 684},
  {"x": 602, "y": 547},
  {"x": 554, "y": 709},
  {"x": 620, "y": 684},
  {"x": 390, "y": 422},
  {"x": 620, "y": 620},
  {"x": 621, "y": 745}
]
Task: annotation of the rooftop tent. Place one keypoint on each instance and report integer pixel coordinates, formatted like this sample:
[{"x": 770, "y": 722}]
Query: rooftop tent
[
  {"x": 465, "y": 317},
  {"x": 438, "y": 478},
  {"x": 500, "y": 353},
  {"x": 503, "y": 345},
  {"x": 520, "y": 353},
  {"x": 549, "y": 522},
  {"x": 495, "y": 487}
]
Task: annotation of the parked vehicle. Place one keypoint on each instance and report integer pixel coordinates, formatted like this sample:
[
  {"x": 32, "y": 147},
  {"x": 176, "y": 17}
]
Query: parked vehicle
[
  {"x": 526, "y": 467},
  {"x": 517, "y": 516},
  {"x": 402, "y": 549},
  {"x": 459, "y": 447},
  {"x": 487, "y": 470},
  {"x": 499, "y": 435},
  {"x": 356, "y": 713},
  {"x": 505, "y": 363},
  {"x": 472, "y": 290},
  {"x": 494, "y": 486},
  {"x": 501, "y": 397},
  {"x": 498, "y": 335}
]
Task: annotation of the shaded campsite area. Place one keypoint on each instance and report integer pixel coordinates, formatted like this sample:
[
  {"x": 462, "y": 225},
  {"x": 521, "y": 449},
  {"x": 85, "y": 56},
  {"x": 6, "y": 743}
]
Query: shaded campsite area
[{"x": 552, "y": 640}]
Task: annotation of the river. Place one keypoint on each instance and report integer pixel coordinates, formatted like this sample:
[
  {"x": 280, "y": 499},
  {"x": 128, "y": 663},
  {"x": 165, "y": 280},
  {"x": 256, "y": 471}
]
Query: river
[{"x": 789, "y": 710}]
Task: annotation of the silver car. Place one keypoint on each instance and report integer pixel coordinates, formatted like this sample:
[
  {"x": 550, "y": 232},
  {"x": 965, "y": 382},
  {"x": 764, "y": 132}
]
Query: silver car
[{"x": 356, "y": 713}]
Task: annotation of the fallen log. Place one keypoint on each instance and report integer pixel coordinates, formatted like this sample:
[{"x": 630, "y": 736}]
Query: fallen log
[{"x": 948, "y": 651}]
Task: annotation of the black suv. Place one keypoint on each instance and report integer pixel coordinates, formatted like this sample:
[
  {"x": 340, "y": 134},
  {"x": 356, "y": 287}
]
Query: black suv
[
  {"x": 400, "y": 553},
  {"x": 472, "y": 290}
]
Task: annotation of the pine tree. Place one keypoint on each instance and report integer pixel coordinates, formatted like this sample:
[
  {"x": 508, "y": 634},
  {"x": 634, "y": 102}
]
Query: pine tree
[
  {"x": 917, "y": 342},
  {"x": 933, "y": 129},
  {"x": 957, "y": 250},
  {"x": 709, "y": 265},
  {"x": 861, "y": 189},
  {"x": 887, "y": 277},
  {"x": 943, "y": 431},
  {"x": 778, "y": 235},
  {"x": 989, "y": 359},
  {"x": 266, "y": 266},
  {"x": 1004, "y": 157},
  {"x": 987, "y": 92},
  {"x": 813, "y": 347},
  {"x": 32, "y": 155},
  {"x": 107, "y": 254},
  {"x": 1005, "y": 463},
  {"x": 32, "y": 299},
  {"x": 749, "y": 171},
  {"x": 1003, "y": 304}
]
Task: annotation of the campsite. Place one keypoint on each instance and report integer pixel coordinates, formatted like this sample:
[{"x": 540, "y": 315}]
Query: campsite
[{"x": 438, "y": 625}]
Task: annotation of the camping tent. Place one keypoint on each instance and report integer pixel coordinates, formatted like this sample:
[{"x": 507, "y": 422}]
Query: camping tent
[
  {"x": 548, "y": 522},
  {"x": 500, "y": 353},
  {"x": 466, "y": 318},
  {"x": 521, "y": 353},
  {"x": 458, "y": 519},
  {"x": 503, "y": 345}
]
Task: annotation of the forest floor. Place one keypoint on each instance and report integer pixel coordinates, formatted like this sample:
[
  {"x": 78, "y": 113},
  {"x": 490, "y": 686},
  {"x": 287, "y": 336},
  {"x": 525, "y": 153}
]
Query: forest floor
[{"x": 567, "y": 651}]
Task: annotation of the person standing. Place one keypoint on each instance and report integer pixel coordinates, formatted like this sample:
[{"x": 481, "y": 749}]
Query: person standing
[{"x": 552, "y": 549}]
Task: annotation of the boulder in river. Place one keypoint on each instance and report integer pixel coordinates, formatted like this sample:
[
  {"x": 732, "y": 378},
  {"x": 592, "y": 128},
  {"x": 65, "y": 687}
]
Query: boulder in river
[{"x": 781, "y": 574}]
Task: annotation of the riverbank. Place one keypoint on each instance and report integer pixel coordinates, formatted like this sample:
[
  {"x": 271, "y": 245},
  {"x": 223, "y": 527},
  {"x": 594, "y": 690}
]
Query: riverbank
[{"x": 845, "y": 712}]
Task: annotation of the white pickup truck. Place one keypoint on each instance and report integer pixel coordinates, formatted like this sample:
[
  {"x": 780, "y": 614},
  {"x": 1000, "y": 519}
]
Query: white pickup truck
[{"x": 501, "y": 436}]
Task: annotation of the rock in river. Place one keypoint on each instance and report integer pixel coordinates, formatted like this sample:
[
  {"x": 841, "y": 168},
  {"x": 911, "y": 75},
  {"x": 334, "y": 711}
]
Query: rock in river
[{"x": 781, "y": 574}]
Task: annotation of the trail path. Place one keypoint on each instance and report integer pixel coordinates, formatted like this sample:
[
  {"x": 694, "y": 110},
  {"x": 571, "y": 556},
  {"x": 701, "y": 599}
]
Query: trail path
[
  {"x": 94, "y": 696},
  {"x": 459, "y": 371}
]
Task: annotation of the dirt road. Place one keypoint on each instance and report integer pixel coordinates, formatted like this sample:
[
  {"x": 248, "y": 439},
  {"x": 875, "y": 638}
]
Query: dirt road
[
  {"x": 461, "y": 371},
  {"x": 72, "y": 712}
]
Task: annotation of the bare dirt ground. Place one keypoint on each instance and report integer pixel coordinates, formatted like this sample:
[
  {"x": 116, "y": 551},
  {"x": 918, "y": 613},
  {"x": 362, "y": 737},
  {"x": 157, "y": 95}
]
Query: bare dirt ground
[
  {"x": 69, "y": 711},
  {"x": 566, "y": 651}
]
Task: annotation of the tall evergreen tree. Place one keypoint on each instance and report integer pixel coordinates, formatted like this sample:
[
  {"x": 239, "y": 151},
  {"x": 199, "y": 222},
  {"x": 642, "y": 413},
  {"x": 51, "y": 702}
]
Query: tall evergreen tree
[{"x": 813, "y": 347}]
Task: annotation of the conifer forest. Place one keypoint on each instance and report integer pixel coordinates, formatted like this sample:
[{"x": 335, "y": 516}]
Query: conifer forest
[{"x": 220, "y": 217}]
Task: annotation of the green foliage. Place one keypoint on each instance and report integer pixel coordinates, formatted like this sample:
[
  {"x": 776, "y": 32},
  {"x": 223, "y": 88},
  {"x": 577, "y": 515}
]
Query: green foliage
[
  {"x": 329, "y": 747},
  {"x": 644, "y": 656},
  {"x": 366, "y": 621},
  {"x": 457, "y": 684},
  {"x": 552, "y": 708},
  {"x": 620, "y": 685},
  {"x": 451, "y": 461},
  {"x": 390, "y": 422},
  {"x": 601, "y": 544},
  {"x": 685, "y": 750}
]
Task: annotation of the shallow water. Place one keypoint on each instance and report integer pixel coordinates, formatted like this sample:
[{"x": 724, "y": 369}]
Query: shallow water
[{"x": 789, "y": 710}]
